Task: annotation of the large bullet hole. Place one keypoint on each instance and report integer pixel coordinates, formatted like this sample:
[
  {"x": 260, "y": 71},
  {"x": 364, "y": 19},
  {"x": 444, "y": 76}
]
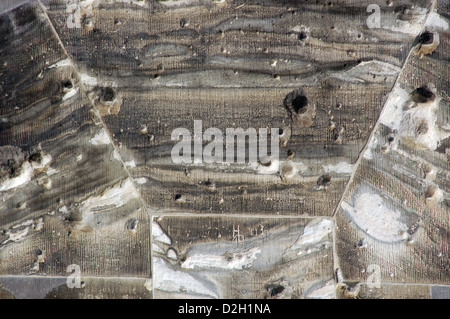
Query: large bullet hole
[
  {"x": 423, "y": 94},
  {"x": 296, "y": 102},
  {"x": 324, "y": 180},
  {"x": 108, "y": 94},
  {"x": 300, "y": 104},
  {"x": 35, "y": 157},
  {"x": 426, "y": 37}
]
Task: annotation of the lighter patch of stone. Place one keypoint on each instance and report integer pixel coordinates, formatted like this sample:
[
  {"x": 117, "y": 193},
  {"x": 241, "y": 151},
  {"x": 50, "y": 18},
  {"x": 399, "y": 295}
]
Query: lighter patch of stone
[
  {"x": 115, "y": 196},
  {"x": 371, "y": 214},
  {"x": 170, "y": 280},
  {"x": 238, "y": 260}
]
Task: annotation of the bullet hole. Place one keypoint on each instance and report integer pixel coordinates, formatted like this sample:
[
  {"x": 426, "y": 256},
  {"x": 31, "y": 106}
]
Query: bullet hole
[
  {"x": 324, "y": 180},
  {"x": 131, "y": 224},
  {"x": 180, "y": 199},
  {"x": 36, "y": 157},
  {"x": 426, "y": 38},
  {"x": 390, "y": 139},
  {"x": 275, "y": 290},
  {"x": 296, "y": 102},
  {"x": 427, "y": 42},
  {"x": 117, "y": 21},
  {"x": 300, "y": 104},
  {"x": 361, "y": 243},
  {"x": 339, "y": 105},
  {"x": 422, "y": 128},
  {"x": 108, "y": 94},
  {"x": 210, "y": 186},
  {"x": 156, "y": 76},
  {"x": 280, "y": 131},
  {"x": 302, "y": 36},
  {"x": 38, "y": 252},
  {"x": 184, "y": 22},
  {"x": 290, "y": 153},
  {"x": 66, "y": 85},
  {"x": 337, "y": 135},
  {"x": 423, "y": 94},
  {"x": 300, "y": 108}
]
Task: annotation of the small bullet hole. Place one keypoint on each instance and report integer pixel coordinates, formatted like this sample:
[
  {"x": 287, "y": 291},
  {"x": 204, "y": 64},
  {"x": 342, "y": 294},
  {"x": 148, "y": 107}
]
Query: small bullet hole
[
  {"x": 184, "y": 22},
  {"x": 324, "y": 180},
  {"x": 280, "y": 131},
  {"x": 178, "y": 196},
  {"x": 390, "y": 139},
  {"x": 422, "y": 128},
  {"x": 302, "y": 36},
  {"x": 290, "y": 153},
  {"x": 38, "y": 252}
]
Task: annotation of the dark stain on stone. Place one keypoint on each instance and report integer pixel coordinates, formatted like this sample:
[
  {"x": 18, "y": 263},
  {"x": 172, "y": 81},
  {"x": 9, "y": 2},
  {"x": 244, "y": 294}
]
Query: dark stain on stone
[{"x": 24, "y": 15}]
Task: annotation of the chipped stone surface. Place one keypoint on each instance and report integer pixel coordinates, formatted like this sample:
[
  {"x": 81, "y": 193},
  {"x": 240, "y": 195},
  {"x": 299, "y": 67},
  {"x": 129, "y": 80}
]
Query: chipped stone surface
[{"x": 356, "y": 205}]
